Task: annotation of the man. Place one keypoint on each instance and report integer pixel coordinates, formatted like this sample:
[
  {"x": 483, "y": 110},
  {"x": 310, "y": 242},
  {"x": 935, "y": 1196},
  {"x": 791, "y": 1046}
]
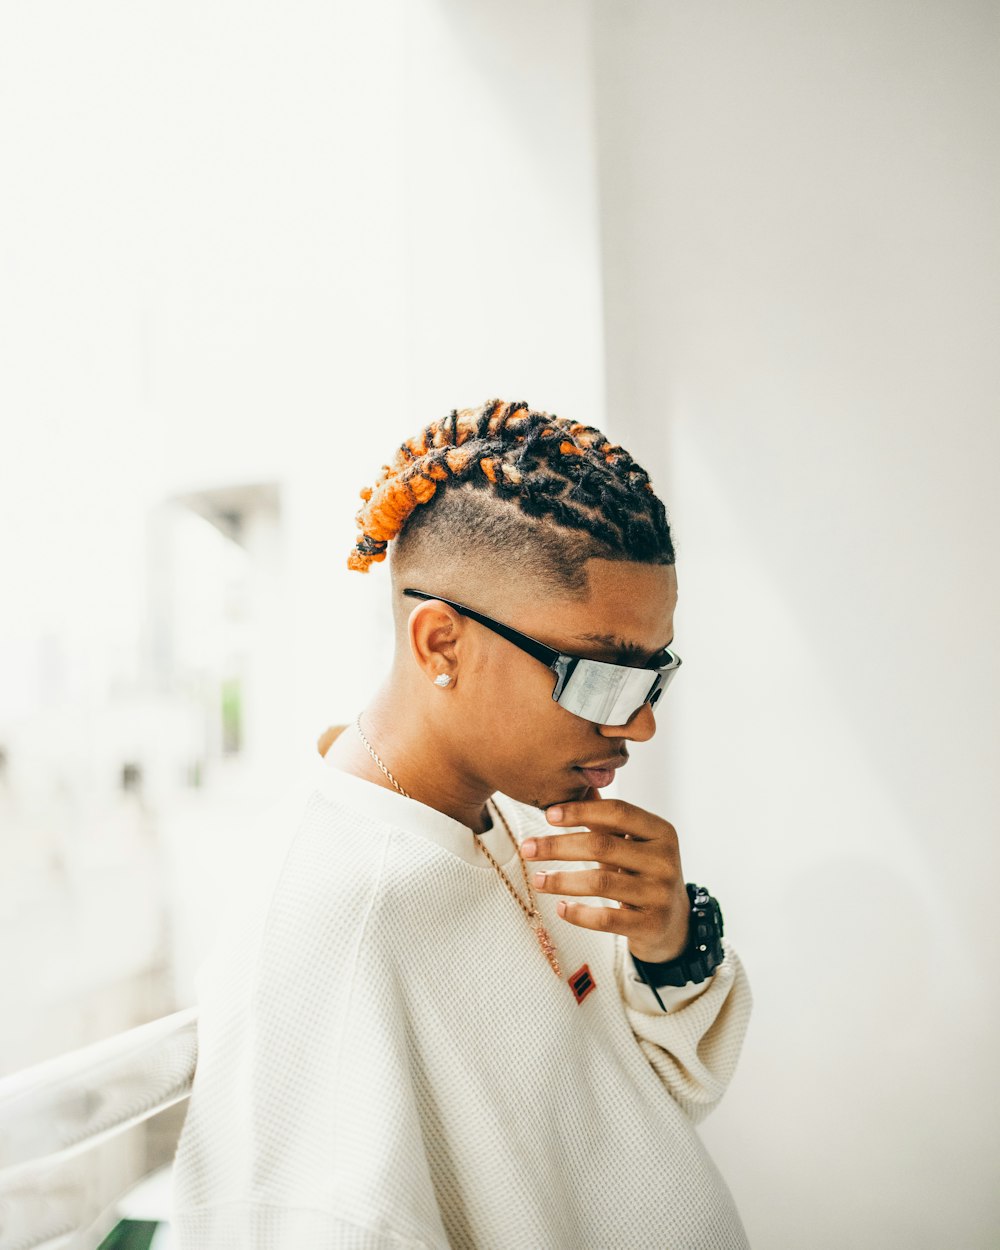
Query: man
[{"x": 421, "y": 1034}]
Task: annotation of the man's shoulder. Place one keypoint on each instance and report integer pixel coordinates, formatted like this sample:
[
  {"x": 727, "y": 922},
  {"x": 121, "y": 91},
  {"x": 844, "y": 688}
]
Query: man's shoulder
[
  {"x": 330, "y": 862},
  {"x": 305, "y": 864}
]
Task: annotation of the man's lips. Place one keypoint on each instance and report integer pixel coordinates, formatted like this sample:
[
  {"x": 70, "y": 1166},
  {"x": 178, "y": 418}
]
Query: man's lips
[{"x": 599, "y": 777}]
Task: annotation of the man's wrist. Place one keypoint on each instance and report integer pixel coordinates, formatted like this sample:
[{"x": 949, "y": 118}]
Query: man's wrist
[
  {"x": 651, "y": 957},
  {"x": 702, "y": 953},
  {"x": 670, "y": 950}
]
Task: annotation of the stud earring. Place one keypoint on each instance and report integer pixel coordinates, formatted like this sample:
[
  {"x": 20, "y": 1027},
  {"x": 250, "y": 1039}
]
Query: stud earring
[{"x": 442, "y": 679}]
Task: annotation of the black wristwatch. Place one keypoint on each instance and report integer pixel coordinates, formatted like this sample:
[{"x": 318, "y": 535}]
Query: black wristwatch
[{"x": 701, "y": 956}]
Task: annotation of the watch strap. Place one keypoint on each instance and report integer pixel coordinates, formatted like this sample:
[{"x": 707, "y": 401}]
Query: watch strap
[{"x": 703, "y": 953}]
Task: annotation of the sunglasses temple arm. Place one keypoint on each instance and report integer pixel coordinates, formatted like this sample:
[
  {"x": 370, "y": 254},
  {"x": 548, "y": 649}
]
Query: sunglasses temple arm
[{"x": 538, "y": 649}]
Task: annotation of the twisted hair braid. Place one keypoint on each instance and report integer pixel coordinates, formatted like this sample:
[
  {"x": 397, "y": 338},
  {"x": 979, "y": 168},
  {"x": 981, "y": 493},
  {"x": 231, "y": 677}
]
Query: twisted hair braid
[{"x": 553, "y": 470}]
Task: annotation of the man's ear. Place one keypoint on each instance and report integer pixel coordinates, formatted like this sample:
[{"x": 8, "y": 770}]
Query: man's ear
[{"x": 433, "y": 630}]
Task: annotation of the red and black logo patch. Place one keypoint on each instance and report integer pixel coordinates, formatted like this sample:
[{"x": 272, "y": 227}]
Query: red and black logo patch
[{"x": 582, "y": 982}]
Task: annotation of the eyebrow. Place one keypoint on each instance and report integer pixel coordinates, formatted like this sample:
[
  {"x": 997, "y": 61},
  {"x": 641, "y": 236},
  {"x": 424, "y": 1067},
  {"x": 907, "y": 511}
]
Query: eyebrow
[{"x": 623, "y": 649}]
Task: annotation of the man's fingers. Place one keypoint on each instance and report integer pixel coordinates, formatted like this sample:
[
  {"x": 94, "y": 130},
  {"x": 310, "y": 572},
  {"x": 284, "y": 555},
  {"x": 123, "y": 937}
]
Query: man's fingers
[
  {"x": 614, "y": 814},
  {"x": 606, "y": 919},
  {"x": 603, "y": 846},
  {"x": 610, "y": 883}
]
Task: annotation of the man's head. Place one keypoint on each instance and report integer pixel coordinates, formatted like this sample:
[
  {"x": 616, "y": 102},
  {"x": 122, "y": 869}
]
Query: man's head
[{"x": 544, "y": 525}]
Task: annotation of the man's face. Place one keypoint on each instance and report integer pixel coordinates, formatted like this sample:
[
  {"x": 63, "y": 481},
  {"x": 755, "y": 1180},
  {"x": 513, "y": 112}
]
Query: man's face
[{"x": 510, "y": 733}]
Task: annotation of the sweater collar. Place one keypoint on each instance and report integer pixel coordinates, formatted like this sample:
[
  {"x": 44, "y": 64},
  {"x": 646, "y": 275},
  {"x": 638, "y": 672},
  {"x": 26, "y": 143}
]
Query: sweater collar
[{"x": 393, "y": 808}]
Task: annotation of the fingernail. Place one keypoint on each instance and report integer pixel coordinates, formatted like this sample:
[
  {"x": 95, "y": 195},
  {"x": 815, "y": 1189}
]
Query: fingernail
[
  {"x": 539, "y": 879},
  {"x": 554, "y": 813},
  {"x": 561, "y": 907},
  {"x": 528, "y": 848}
]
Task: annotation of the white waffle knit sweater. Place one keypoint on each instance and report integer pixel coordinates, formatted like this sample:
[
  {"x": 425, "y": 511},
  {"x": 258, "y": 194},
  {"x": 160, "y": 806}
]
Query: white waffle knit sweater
[{"x": 387, "y": 1059}]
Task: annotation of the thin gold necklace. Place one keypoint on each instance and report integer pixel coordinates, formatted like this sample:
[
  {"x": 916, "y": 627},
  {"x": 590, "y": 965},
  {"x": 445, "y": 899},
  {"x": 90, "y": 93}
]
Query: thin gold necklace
[{"x": 532, "y": 912}]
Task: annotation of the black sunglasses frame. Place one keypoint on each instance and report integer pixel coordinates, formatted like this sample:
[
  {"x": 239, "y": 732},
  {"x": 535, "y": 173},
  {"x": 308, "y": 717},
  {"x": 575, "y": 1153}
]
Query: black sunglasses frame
[{"x": 560, "y": 662}]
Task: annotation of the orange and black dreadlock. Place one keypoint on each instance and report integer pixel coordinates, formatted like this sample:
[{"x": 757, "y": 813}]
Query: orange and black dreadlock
[{"x": 548, "y": 466}]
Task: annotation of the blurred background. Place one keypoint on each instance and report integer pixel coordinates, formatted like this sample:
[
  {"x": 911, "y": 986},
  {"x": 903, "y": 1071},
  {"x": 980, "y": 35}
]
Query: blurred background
[{"x": 248, "y": 248}]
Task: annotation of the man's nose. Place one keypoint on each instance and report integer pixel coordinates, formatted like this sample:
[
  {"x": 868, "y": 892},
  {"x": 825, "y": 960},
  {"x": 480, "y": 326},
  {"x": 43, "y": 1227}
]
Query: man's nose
[{"x": 640, "y": 726}]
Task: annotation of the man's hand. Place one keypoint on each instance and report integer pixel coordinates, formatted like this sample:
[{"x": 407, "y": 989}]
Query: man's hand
[{"x": 638, "y": 865}]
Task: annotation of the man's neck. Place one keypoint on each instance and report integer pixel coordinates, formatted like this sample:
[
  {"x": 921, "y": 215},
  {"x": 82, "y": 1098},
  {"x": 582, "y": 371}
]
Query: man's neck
[{"x": 410, "y": 757}]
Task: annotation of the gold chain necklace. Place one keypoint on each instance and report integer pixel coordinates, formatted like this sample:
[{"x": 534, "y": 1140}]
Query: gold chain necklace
[{"x": 532, "y": 912}]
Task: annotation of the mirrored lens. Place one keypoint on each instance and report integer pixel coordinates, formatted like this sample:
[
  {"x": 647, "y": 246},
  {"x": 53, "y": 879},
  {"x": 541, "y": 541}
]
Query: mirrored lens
[{"x": 608, "y": 694}]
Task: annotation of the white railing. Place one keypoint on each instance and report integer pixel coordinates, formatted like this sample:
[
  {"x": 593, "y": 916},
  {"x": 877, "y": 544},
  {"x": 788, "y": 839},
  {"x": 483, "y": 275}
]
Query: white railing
[{"x": 62, "y": 1121}]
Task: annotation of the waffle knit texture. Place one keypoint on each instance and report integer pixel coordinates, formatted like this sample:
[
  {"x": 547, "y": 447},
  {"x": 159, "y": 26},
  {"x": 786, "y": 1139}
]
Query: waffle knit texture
[{"x": 387, "y": 1059}]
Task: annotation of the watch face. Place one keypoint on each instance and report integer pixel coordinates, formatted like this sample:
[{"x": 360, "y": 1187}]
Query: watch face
[{"x": 702, "y": 901}]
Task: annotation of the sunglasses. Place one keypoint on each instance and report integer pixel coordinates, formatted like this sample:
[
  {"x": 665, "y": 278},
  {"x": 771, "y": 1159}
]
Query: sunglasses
[{"x": 607, "y": 694}]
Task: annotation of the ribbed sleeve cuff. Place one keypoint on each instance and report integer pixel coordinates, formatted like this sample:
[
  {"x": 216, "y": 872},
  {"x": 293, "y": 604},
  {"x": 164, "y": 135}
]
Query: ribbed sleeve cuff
[{"x": 643, "y": 997}]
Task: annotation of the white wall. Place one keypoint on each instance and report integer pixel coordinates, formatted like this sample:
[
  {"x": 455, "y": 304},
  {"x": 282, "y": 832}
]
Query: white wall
[{"x": 801, "y": 269}]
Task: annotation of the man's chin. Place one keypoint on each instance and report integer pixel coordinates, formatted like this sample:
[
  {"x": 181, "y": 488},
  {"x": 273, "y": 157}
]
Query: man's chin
[
  {"x": 571, "y": 794},
  {"x": 568, "y": 793}
]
